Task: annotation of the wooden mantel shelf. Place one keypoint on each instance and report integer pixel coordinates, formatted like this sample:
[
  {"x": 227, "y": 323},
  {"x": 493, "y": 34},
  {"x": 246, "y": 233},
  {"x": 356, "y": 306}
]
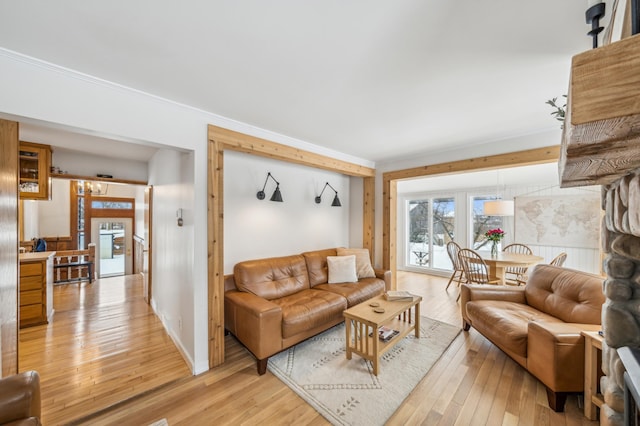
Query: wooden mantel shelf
[
  {"x": 601, "y": 137},
  {"x": 98, "y": 179}
]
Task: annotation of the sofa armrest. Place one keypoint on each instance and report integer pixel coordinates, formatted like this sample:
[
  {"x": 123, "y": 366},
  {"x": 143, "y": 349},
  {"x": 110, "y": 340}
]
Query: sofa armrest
[
  {"x": 20, "y": 397},
  {"x": 555, "y": 354},
  {"x": 255, "y": 321},
  {"x": 384, "y": 275},
  {"x": 470, "y": 292}
]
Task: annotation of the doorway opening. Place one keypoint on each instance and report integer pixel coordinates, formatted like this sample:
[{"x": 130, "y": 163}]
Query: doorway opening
[{"x": 112, "y": 237}]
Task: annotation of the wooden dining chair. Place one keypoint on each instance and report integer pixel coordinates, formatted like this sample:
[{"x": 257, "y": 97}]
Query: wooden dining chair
[
  {"x": 475, "y": 269},
  {"x": 458, "y": 274},
  {"x": 559, "y": 259},
  {"x": 516, "y": 275}
]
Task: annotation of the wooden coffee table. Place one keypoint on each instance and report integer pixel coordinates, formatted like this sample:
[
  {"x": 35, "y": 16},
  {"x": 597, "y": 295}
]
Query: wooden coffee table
[{"x": 362, "y": 323}]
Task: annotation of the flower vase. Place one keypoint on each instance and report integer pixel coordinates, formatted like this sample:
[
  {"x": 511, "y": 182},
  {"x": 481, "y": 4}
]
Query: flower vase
[{"x": 494, "y": 248}]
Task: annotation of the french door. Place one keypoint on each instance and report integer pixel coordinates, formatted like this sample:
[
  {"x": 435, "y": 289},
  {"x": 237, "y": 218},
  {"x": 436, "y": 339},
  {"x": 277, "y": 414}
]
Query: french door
[
  {"x": 431, "y": 225},
  {"x": 113, "y": 238}
]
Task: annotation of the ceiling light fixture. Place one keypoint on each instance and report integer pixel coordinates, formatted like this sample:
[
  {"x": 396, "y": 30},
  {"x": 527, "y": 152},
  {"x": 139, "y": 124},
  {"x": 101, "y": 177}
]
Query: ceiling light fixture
[
  {"x": 96, "y": 188},
  {"x": 336, "y": 200},
  {"x": 277, "y": 196},
  {"x": 498, "y": 207}
]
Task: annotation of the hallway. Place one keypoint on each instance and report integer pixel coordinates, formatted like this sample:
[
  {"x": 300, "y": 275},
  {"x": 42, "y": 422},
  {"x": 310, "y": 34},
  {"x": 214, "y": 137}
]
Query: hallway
[{"x": 104, "y": 345}]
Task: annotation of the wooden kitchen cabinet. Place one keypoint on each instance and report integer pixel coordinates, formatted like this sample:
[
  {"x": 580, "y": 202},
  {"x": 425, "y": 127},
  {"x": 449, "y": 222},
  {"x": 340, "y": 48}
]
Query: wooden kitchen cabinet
[
  {"x": 34, "y": 167},
  {"x": 36, "y": 288}
]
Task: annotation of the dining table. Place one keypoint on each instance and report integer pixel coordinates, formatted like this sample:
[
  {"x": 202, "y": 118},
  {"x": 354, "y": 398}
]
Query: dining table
[{"x": 498, "y": 263}]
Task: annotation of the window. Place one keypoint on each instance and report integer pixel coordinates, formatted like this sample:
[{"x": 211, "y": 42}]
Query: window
[
  {"x": 431, "y": 226},
  {"x": 482, "y": 223}
]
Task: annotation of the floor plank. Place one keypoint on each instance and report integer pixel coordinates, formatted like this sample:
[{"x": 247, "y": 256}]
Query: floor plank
[
  {"x": 103, "y": 345},
  {"x": 472, "y": 383}
]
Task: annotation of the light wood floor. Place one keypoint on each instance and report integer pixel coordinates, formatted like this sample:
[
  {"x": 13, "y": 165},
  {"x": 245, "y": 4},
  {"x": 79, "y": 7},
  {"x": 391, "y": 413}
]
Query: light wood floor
[
  {"x": 104, "y": 344},
  {"x": 473, "y": 383}
]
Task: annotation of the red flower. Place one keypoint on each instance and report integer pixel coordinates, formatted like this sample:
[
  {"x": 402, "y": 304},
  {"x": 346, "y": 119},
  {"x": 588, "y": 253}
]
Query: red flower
[{"x": 494, "y": 234}]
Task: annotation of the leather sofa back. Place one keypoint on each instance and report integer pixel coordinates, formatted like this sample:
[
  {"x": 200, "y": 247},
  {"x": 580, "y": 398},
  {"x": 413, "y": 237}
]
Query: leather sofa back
[
  {"x": 567, "y": 294},
  {"x": 272, "y": 278},
  {"x": 317, "y": 265}
]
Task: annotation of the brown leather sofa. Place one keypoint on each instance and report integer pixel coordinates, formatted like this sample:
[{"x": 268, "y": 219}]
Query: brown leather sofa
[
  {"x": 539, "y": 325},
  {"x": 20, "y": 399},
  {"x": 272, "y": 304}
]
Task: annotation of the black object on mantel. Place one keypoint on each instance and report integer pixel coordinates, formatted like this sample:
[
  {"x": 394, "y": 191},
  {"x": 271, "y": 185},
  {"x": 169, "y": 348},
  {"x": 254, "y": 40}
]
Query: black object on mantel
[
  {"x": 593, "y": 15},
  {"x": 635, "y": 16},
  {"x": 104, "y": 176}
]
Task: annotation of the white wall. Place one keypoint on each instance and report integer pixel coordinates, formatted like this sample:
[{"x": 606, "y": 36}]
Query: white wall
[
  {"x": 41, "y": 93},
  {"x": 173, "y": 259},
  {"x": 256, "y": 229},
  {"x": 53, "y": 215},
  {"x": 30, "y": 226}
]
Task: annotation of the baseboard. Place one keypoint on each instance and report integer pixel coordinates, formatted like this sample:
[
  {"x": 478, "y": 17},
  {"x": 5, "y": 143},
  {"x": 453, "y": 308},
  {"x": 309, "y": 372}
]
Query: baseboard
[{"x": 183, "y": 352}]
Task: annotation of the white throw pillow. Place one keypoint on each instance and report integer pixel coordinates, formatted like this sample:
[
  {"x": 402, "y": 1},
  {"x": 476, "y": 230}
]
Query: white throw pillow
[
  {"x": 342, "y": 269},
  {"x": 363, "y": 261}
]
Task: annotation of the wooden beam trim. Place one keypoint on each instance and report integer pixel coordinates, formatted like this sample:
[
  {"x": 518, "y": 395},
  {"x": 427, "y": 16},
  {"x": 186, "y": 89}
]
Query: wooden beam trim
[
  {"x": 253, "y": 145},
  {"x": 521, "y": 158},
  {"x": 368, "y": 213},
  {"x": 221, "y": 139},
  {"x": 389, "y": 187},
  {"x": 215, "y": 254}
]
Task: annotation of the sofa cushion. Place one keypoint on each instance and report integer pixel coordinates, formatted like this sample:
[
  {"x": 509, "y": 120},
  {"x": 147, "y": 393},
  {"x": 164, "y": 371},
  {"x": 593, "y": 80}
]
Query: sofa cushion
[
  {"x": 307, "y": 309},
  {"x": 317, "y": 265},
  {"x": 272, "y": 278},
  {"x": 363, "y": 261},
  {"x": 505, "y": 323},
  {"x": 342, "y": 269},
  {"x": 570, "y": 295},
  {"x": 357, "y": 292}
]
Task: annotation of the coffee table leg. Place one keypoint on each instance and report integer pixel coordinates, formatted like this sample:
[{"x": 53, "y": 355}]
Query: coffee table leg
[
  {"x": 376, "y": 354},
  {"x": 417, "y": 321},
  {"x": 347, "y": 327}
]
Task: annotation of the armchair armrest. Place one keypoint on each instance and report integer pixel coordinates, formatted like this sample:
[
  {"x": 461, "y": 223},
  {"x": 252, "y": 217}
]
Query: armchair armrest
[
  {"x": 20, "y": 397},
  {"x": 555, "y": 354},
  {"x": 384, "y": 275},
  {"x": 255, "y": 321}
]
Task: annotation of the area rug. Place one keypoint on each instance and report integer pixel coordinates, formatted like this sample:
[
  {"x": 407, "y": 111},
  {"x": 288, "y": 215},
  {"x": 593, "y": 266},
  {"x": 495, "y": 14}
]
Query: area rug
[{"x": 346, "y": 392}]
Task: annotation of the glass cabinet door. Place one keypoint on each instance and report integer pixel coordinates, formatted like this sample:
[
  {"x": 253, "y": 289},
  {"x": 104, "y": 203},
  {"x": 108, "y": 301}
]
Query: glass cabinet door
[{"x": 34, "y": 162}]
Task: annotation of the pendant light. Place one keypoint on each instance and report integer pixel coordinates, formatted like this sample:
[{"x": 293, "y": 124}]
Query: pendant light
[{"x": 498, "y": 207}]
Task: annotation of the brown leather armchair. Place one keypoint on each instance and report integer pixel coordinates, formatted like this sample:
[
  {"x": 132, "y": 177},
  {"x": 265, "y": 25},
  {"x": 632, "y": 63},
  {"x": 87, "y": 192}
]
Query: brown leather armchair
[
  {"x": 20, "y": 399},
  {"x": 539, "y": 325}
]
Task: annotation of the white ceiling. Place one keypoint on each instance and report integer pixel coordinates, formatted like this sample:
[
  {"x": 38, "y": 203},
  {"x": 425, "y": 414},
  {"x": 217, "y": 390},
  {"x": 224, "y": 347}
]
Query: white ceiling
[{"x": 379, "y": 80}]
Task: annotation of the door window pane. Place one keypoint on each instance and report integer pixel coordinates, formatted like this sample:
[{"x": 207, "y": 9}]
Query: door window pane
[
  {"x": 419, "y": 232},
  {"x": 443, "y": 231},
  {"x": 431, "y": 227},
  {"x": 482, "y": 223}
]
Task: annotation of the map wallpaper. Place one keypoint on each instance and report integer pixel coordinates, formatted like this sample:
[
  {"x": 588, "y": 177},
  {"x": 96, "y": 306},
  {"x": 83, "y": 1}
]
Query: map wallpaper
[{"x": 560, "y": 221}]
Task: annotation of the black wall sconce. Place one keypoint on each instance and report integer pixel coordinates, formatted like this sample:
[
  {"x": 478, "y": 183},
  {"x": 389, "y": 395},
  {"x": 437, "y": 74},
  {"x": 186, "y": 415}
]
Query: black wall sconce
[
  {"x": 277, "y": 196},
  {"x": 593, "y": 15},
  {"x": 336, "y": 200}
]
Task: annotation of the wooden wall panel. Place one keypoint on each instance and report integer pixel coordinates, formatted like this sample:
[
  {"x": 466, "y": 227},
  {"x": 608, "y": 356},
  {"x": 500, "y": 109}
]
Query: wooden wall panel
[
  {"x": 368, "y": 219},
  {"x": 215, "y": 229},
  {"x": 8, "y": 247}
]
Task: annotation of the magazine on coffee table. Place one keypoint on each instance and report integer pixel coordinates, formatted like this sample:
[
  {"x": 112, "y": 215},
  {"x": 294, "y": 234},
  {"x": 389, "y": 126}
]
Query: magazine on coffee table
[
  {"x": 398, "y": 295},
  {"x": 385, "y": 333}
]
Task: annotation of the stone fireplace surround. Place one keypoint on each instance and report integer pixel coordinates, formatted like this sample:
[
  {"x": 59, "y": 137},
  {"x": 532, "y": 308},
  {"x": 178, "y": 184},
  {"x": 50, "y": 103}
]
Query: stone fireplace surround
[
  {"x": 601, "y": 146},
  {"x": 621, "y": 311}
]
